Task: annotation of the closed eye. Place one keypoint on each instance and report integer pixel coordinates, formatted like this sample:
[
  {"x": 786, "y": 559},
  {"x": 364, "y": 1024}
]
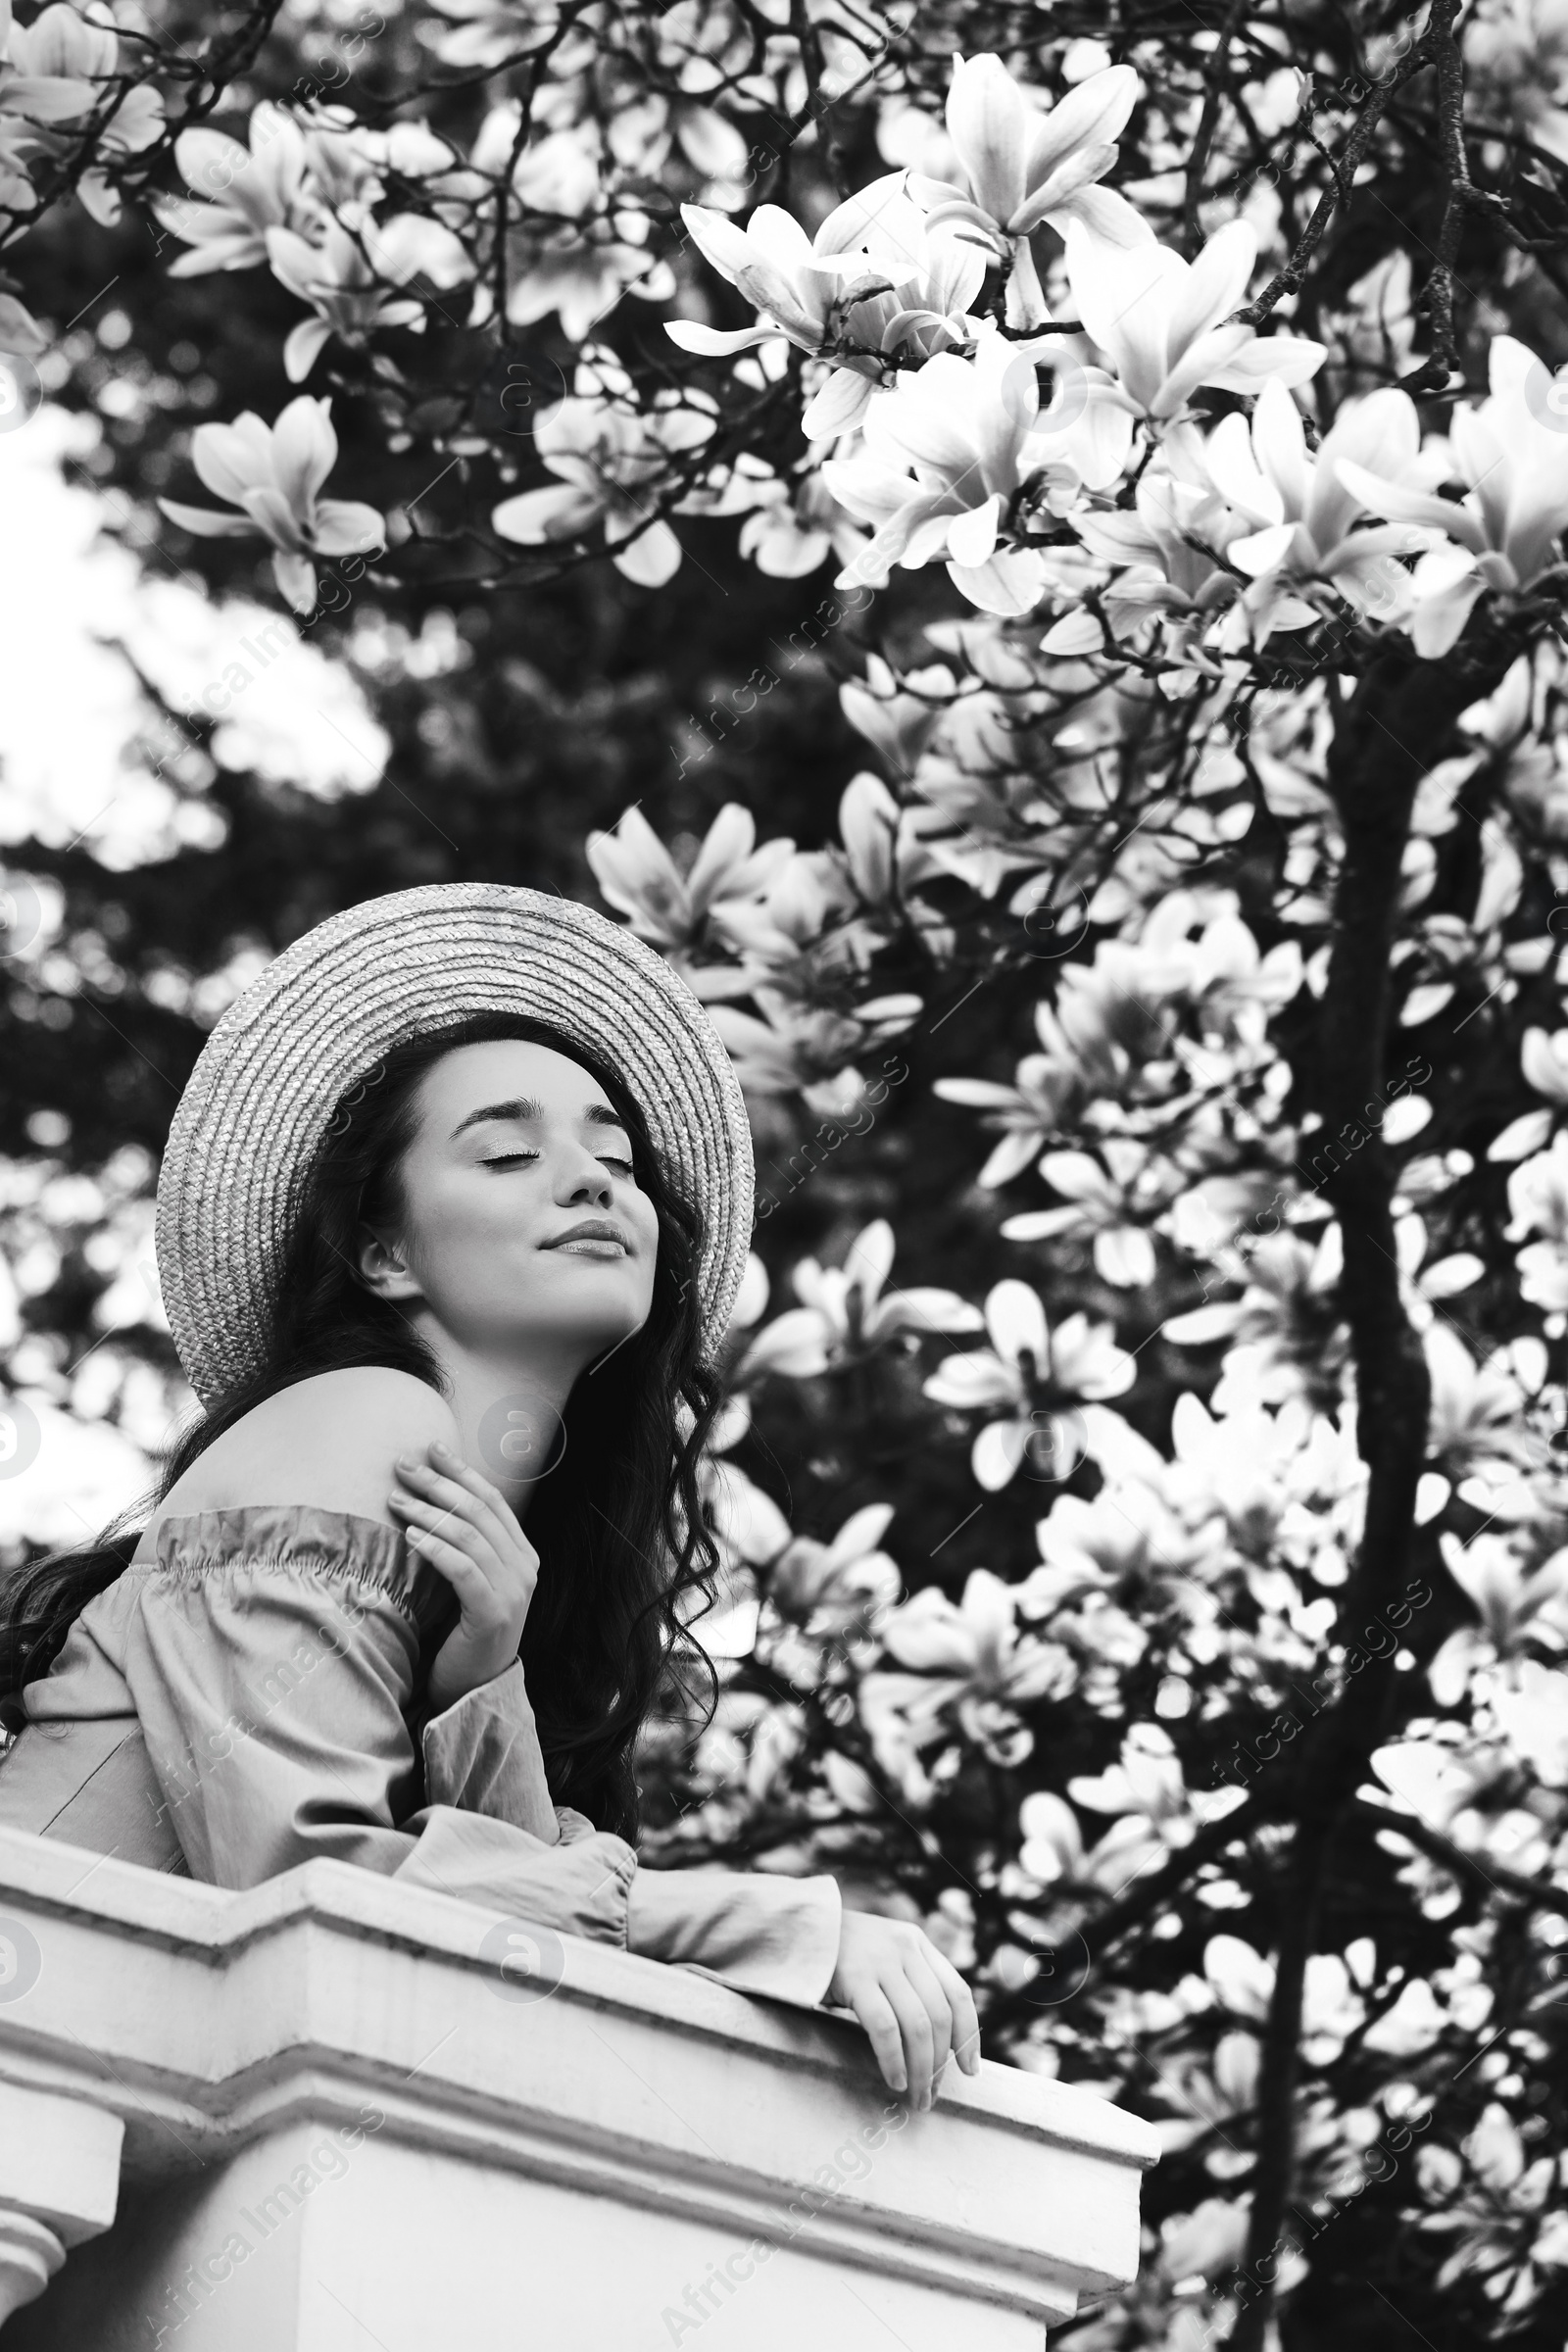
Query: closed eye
[{"x": 507, "y": 1158}]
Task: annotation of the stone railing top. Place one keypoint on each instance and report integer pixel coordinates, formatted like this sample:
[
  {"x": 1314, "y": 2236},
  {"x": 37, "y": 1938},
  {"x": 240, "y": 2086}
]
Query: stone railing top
[{"x": 203, "y": 2019}]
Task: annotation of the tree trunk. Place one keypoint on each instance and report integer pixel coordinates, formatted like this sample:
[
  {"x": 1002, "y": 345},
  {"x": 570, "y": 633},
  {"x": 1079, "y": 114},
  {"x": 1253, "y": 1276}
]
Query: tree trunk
[{"x": 1391, "y": 731}]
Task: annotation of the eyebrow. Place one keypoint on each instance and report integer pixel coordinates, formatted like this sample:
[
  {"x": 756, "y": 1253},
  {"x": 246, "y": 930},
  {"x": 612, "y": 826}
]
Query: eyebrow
[{"x": 597, "y": 1114}]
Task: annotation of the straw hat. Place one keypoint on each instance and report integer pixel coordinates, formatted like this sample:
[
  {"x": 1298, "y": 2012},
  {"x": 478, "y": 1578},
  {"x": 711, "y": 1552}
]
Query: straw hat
[{"x": 326, "y": 1011}]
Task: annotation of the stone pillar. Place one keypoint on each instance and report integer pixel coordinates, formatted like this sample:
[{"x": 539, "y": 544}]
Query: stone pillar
[{"x": 59, "y": 2179}]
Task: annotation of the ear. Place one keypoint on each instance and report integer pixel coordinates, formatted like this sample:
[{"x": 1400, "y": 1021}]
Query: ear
[{"x": 379, "y": 1263}]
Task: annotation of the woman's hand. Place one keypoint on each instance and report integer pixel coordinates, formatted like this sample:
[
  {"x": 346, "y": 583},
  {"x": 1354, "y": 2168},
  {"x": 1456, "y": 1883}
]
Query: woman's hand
[
  {"x": 468, "y": 1532},
  {"x": 911, "y": 2000}
]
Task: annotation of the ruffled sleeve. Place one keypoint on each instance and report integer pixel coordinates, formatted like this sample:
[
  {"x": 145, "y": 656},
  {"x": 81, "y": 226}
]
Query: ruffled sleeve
[{"x": 274, "y": 1654}]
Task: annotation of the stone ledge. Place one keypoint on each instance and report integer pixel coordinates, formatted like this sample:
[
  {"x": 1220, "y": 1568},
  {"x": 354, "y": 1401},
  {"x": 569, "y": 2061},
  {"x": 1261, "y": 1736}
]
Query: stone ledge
[{"x": 213, "y": 2026}]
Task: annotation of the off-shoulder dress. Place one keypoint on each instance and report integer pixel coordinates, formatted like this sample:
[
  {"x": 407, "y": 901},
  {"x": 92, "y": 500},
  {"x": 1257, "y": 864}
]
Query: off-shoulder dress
[{"x": 247, "y": 1698}]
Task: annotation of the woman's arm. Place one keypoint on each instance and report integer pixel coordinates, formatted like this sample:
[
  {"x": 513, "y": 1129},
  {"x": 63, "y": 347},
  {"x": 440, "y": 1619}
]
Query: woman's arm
[
  {"x": 271, "y": 1686},
  {"x": 773, "y": 1935},
  {"x": 310, "y": 1763},
  {"x": 482, "y": 1754},
  {"x": 272, "y": 1682}
]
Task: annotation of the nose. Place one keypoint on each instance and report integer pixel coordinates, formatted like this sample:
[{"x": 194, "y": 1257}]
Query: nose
[{"x": 581, "y": 1176}]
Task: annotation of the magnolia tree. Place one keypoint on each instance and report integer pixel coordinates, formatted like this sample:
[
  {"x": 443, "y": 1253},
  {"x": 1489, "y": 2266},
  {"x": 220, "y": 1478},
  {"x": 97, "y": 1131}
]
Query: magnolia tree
[{"x": 1165, "y": 422}]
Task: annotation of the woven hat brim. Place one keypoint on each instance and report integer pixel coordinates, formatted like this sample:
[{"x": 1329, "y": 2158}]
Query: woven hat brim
[{"x": 326, "y": 1010}]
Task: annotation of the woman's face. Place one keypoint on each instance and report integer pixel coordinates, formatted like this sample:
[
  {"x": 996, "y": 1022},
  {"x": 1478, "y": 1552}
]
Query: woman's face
[{"x": 518, "y": 1150}]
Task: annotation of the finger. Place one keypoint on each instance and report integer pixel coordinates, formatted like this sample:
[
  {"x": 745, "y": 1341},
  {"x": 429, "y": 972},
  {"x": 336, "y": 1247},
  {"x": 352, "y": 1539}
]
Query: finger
[
  {"x": 476, "y": 1593},
  {"x": 915, "y": 2031},
  {"x": 965, "y": 2017},
  {"x": 486, "y": 1493},
  {"x": 937, "y": 2008},
  {"x": 460, "y": 1500},
  {"x": 470, "y": 1496},
  {"x": 508, "y": 1561},
  {"x": 435, "y": 1520},
  {"x": 876, "y": 2014}
]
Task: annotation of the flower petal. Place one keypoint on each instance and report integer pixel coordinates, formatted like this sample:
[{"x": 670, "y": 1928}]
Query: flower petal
[
  {"x": 650, "y": 558},
  {"x": 1016, "y": 1320},
  {"x": 205, "y": 524},
  {"x": 988, "y": 123}
]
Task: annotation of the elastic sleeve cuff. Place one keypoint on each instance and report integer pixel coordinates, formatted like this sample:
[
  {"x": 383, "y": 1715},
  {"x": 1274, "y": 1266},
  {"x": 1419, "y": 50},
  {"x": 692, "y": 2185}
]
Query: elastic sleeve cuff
[
  {"x": 576, "y": 1889},
  {"x": 762, "y": 1935},
  {"x": 482, "y": 1755},
  {"x": 573, "y": 1825}
]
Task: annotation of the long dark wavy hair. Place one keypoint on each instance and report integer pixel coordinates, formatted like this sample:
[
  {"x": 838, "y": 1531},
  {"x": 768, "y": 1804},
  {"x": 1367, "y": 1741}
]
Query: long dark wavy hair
[{"x": 626, "y": 1557}]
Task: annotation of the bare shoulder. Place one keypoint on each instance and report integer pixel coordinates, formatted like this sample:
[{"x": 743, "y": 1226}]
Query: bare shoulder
[{"x": 329, "y": 1442}]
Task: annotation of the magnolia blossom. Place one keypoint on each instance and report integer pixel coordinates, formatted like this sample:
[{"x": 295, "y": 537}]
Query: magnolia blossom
[
  {"x": 20, "y": 331},
  {"x": 800, "y": 285},
  {"x": 1045, "y": 1095},
  {"x": 1023, "y": 166},
  {"x": 562, "y": 251},
  {"x": 1544, "y": 1061},
  {"x": 1157, "y": 1811},
  {"x": 577, "y": 270},
  {"x": 884, "y": 853},
  {"x": 1206, "y": 2096},
  {"x": 1434, "y": 1783},
  {"x": 267, "y": 185},
  {"x": 1128, "y": 1531},
  {"x": 52, "y": 72},
  {"x": 1243, "y": 1982},
  {"x": 959, "y": 426},
  {"x": 899, "y": 717},
  {"x": 1113, "y": 1009},
  {"x": 1530, "y": 1711},
  {"x": 840, "y": 1591},
  {"x": 1202, "y": 2243},
  {"x": 844, "y": 1314},
  {"x": 810, "y": 1049},
  {"x": 1538, "y": 1195},
  {"x": 791, "y": 527},
  {"x": 972, "y": 1657},
  {"x": 1516, "y": 1604},
  {"x": 1423, "y": 1284},
  {"x": 1511, "y": 452},
  {"x": 802, "y": 924},
  {"x": 1287, "y": 1329},
  {"x": 1270, "y": 1474},
  {"x": 906, "y": 318},
  {"x": 1300, "y": 509},
  {"x": 1028, "y": 1113},
  {"x": 274, "y": 474},
  {"x": 750, "y": 1528},
  {"x": 346, "y": 279},
  {"x": 1104, "y": 1204},
  {"x": 1165, "y": 573},
  {"x": 636, "y": 873},
  {"x": 27, "y": 100},
  {"x": 1157, "y": 318},
  {"x": 1286, "y": 517},
  {"x": 1476, "y": 1408},
  {"x": 611, "y": 462},
  {"x": 871, "y": 283},
  {"x": 1034, "y": 1371},
  {"x": 1053, "y": 1846},
  {"x": 491, "y": 33}
]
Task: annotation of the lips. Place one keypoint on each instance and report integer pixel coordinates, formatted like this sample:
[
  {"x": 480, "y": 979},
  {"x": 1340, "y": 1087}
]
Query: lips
[{"x": 593, "y": 1230}]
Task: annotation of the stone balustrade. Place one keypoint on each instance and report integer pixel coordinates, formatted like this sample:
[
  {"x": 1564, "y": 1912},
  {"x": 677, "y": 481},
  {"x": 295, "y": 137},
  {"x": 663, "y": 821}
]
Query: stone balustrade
[{"x": 334, "y": 2113}]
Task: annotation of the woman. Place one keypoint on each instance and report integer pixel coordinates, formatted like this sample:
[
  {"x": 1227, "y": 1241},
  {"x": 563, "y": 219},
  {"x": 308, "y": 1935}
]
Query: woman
[{"x": 449, "y": 1228}]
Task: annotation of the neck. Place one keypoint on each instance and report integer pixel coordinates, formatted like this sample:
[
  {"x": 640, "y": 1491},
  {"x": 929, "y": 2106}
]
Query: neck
[{"x": 510, "y": 1406}]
